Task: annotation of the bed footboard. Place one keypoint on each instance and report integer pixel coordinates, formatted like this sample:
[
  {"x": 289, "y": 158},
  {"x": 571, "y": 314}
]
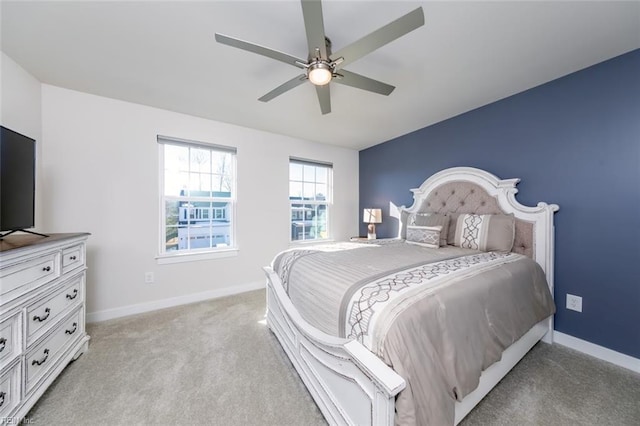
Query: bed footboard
[{"x": 349, "y": 384}]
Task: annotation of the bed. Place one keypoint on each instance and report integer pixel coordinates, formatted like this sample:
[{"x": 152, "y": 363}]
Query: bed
[{"x": 365, "y": 365}]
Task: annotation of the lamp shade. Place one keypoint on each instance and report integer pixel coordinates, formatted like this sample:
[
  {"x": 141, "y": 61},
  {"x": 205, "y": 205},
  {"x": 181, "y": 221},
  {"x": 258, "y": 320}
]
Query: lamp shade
[{"x": 372, "y": 216}]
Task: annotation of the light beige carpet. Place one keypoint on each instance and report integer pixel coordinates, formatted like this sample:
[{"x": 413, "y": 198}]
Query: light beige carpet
[{"x": 217, "y": 363}]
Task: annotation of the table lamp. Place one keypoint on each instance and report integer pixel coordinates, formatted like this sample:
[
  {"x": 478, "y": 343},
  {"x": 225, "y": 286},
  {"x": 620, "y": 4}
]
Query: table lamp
[{"x": 372, "y": 216}]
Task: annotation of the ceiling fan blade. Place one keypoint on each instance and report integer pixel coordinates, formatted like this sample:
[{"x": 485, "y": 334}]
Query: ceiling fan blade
[
  {"x": 380, "y": 37},
  {"x": 294, "y": 82},
  {"x": 365, "y": 83},
  {"x": 314, "y": 26},
  {"x": 324, "y": 98},
  {"x": 260, "y": 50}
]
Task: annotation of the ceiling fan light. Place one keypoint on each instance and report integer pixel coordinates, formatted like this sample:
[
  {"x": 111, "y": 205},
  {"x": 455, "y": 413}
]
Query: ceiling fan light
[{"x": 319, "y": 73}]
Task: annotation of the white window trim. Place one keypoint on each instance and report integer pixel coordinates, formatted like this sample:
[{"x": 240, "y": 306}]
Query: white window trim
[
  {"x": 195, "y": 254},
  {"x": 297, "y": 243}
]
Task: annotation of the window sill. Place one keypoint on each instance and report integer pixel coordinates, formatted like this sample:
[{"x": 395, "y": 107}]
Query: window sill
[
  {"x": 309, "y": 242},
  {"x": 164, "y": 259}
]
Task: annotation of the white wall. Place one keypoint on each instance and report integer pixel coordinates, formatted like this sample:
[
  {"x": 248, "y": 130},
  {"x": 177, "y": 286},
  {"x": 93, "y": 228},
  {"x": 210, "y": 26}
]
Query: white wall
[
  {"x": 20, "y": 111},
  {"x": 101, "y": 165}
]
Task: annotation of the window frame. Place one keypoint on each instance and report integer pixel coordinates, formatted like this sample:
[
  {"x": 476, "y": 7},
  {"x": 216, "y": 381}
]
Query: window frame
[
  {"x": 191, "y": 254},
  {"x": 328, "y": 202}
]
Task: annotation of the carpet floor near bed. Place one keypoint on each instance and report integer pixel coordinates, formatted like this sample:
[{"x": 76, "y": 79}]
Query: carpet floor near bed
[{"x": 217, "y": 363}]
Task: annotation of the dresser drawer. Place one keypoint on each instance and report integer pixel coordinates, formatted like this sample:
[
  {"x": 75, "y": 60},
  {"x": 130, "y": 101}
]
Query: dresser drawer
[
  {"x": 10, "y": 341},
  {"x": 45, "y": 355},
  {"x": 72, "y": 257},
  {"x": 19, "y": 278},
  {"x": 42, "y": 314},
  {"x": 9, "y": 390}
]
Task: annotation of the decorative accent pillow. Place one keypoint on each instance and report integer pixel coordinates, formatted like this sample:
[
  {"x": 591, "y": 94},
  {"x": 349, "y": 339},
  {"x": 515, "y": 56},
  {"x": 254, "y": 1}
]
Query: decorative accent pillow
[
  {"x": 407, "y": 219},
  {"x": 451, "y": 232},
  {"x": 486, "y": 232},
  {"x": 432, "y": 219},
  {"x": 427, "y": 236}
]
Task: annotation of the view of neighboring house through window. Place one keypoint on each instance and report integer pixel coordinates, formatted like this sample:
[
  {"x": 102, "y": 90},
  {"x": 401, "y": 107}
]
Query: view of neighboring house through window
[
  {"x": 198, "y": 196},
  {"x": 310, "y": 186}
]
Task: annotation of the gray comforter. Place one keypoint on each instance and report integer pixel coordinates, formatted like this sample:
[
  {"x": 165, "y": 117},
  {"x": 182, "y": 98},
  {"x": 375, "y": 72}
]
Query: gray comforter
[{"x": 438, "y": 317}]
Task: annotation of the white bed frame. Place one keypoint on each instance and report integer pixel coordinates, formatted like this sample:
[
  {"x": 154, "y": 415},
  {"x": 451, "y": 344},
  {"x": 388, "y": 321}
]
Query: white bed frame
[{"x": 351, "y": 385}]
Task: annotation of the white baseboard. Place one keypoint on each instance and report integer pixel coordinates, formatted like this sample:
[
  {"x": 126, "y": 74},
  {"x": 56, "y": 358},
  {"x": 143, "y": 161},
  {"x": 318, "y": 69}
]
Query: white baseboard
[
  {"x": 597, "y": 351},
  {"x": 174, "y": 301}
]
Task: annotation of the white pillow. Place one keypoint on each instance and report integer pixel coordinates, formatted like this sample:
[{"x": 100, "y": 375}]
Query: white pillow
[{"x": 427, "y": 236}]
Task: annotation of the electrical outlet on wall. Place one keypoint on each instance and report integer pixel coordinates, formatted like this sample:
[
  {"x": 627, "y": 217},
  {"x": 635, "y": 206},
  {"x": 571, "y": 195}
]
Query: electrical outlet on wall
[
  {"x": 148, "y": 277},
  {"x": 574, "y": 302}
]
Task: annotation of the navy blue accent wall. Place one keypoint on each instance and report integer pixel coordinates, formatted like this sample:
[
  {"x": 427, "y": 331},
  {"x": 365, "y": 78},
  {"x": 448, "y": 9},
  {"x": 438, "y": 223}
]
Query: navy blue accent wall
[{"x": 574, "y": 142}]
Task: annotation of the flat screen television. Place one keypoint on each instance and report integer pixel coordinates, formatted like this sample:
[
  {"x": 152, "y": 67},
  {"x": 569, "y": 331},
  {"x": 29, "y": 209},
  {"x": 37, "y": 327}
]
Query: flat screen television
[{"x": 17, "y": 181}]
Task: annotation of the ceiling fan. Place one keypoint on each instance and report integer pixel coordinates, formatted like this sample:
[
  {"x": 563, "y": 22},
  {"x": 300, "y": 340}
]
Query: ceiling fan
[{"x": 322, "y": 66}]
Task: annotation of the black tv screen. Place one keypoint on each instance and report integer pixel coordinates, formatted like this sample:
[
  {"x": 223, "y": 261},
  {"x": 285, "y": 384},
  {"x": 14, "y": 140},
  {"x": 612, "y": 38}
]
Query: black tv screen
[{"x": 17, "y": 180}]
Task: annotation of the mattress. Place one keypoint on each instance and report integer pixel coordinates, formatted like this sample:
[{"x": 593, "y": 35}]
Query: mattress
[{"x": 438, "y": 317}]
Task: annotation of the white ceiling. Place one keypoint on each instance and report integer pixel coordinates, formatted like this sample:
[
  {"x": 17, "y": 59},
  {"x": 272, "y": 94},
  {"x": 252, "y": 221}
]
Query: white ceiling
[{"x": 163, "y": 54}]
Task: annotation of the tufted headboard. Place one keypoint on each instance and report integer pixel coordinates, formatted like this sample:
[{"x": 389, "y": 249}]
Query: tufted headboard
[
  {"x": 468, "y": 190},
  {"x": 458, "y": 197}
]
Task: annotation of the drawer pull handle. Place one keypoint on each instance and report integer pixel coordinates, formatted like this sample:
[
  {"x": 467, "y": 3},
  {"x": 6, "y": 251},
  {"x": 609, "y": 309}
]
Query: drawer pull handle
[
  {"x": 42, "y": 361},
  {"x": 2, "y": 395},
  {"x": 46, "y": 311},
  {"x": 72, "y": 257},
  {"x": 46, "y": 268},
  {"x": 75, "y": 294},
  {"x": 3, "y": 342},
  {"x": 75, "y": 327}
]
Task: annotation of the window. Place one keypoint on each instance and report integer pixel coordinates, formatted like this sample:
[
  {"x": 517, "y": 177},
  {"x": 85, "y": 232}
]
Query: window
[
  {"x": 219, "y": 213},
  {"x": 197, "y": 196},
  {"x": 310, "y": 190}
]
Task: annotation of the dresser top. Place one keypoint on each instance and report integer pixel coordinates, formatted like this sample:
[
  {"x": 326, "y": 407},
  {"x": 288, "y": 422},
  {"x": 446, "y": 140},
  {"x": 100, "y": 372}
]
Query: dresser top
[{"x": 14, "y": 242}]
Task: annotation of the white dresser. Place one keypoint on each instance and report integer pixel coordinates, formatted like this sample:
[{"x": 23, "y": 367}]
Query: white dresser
[{"x": 42, "y": 315}]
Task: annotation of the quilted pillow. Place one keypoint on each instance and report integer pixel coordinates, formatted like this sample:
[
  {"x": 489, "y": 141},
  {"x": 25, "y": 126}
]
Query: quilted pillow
[
  {"x": 427, "y": 236},
  {"x": 486, "y": 232},
  {"x": 432, "y": 219}
]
